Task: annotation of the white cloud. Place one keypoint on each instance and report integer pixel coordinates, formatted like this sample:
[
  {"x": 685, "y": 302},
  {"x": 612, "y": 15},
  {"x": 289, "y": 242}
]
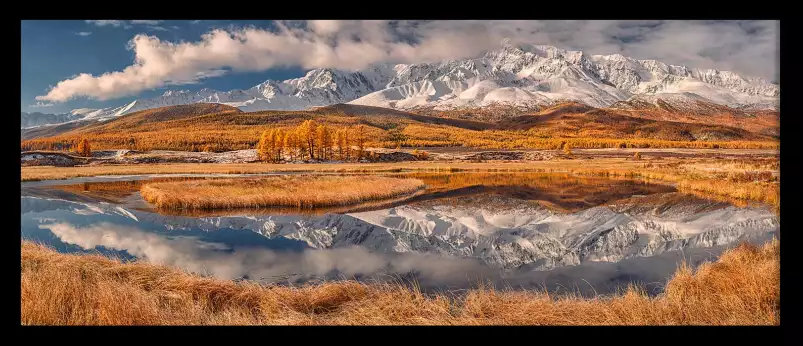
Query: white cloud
[
  {"x": 42, "y": 104},
  {"x": 748, "y": 47},
  {"x": 158, "y": 28},
  {"x": 125, "y": 24},
  {"x": 147, "y": 22},
  {"x": 195, "y": 21},
  {"x": 114, "y": 23},
  {"x": 83, "y": 33}
]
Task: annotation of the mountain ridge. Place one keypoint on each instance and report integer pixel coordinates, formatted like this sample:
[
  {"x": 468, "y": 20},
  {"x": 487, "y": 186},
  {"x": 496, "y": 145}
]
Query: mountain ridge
[{"x": 521, "y": 76}]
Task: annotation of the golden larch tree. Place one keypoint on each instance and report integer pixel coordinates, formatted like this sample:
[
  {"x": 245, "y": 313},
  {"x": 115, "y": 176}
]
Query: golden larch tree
[
  {"x": 358, "y": 135},
  {"x": 84, "y": 148},
  {"x": 306, "y": 134},
  {"x": 264, "y": 146},
  {"x": 340, "y": 142},
  {"x": 279, "y": 145},
  {"x": 290, "y": 144},
  {"x": 321, "y": 139}
]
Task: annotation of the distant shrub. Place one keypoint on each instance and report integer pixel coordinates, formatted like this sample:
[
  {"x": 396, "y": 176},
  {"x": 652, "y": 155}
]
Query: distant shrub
[{"x": 421, "y": 155}]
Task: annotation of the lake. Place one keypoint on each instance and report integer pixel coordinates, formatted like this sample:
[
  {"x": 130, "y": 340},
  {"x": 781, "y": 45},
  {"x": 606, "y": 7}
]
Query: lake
[{"x": 563, "y": 233}]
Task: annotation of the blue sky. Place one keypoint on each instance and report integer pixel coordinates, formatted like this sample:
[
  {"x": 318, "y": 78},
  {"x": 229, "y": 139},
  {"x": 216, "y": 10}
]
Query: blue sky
[
  {"x": 94, "y": 64},
  {"x": 55, "y": 50}
]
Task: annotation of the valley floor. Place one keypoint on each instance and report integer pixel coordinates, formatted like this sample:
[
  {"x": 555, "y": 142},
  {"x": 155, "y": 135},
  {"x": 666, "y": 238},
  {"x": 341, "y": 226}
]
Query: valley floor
[
  {"x": 742, "y": 179},
  {"x": 741, "y": 288}
]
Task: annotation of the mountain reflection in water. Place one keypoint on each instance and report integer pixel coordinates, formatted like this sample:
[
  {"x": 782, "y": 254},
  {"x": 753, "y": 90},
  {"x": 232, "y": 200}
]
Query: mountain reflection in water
[{"x": 518, "y": 230}]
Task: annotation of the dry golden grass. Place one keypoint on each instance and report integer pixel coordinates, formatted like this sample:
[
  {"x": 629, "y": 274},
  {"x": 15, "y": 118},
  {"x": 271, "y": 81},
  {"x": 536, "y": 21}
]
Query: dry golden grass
[
  {"x": 716, "y": 177},
  {"x": 56, "y": 173},
  {"x": 741, "y": 288},
  {"x": 112, "y": 191},
  {"x": 301, "y": 191}
]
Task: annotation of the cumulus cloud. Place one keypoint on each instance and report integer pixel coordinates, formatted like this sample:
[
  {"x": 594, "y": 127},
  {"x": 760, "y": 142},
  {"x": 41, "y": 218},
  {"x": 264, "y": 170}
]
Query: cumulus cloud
[
  {"x": 83, "y": 33},
  {"x": 749, "y": 47}
]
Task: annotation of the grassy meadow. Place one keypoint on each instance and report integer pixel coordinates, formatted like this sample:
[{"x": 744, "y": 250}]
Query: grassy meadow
[
  {"x": 739, "y": 180},
  {"x": 301, "y": 191},
  {"x": 741, "y": 288}
]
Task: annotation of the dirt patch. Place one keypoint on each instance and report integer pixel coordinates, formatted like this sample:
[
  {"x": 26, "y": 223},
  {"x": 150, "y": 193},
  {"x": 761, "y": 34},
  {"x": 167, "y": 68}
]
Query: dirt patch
[{"x": 44, "y": 158}]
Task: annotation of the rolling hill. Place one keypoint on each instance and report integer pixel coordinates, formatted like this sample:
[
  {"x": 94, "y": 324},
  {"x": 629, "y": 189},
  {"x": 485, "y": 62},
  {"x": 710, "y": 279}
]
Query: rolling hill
[{"x": 195, "y": 127}]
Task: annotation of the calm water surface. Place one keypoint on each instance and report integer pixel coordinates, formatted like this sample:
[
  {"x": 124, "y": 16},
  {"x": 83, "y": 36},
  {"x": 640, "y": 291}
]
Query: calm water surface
[{"x": 516, "y": 230}]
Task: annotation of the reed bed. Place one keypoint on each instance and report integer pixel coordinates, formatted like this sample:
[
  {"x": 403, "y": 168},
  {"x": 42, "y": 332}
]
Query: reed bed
[
  {"x": 300, "y": 191},
  {"x": 741, "y": 288}
]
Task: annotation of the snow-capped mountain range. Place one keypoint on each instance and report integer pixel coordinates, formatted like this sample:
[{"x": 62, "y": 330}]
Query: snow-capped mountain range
[{"x": 532, "y": 75}]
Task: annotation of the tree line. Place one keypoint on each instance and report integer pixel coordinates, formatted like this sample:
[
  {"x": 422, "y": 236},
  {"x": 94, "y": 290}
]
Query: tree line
[{"x": 313, "y": 141}]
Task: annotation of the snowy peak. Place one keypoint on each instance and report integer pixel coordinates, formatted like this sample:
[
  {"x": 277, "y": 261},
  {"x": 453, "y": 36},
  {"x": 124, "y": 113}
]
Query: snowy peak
[
  {"x": 38, "y": 119},
  {"x": 544, "y": 74},
  {"x": 513, "y": 75}
]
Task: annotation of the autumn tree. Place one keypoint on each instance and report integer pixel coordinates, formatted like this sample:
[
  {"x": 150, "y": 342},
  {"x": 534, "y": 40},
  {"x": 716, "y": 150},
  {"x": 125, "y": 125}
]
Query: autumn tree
[
  {"x": 341, "y": 140},
  {"x": 637, "y": 156},
  {"x": 83, "y": 148},
  {"x": 358, "y": 136},
  {"x": 267, "y": 145},
  {"x": 567, "y": 149},
  {"x": 395, "y": 135},
  {"x": 301, "y": 144},
  {"x": 279, "y": 146},
  {"x": 323, "y": 140},
  {"x": 306, "y": 133},
  {"x": 290, "y": 144},
  {"x": 337, "y": 137}
]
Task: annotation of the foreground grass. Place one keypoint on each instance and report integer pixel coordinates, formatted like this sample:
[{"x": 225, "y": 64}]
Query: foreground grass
[
  {"x": 305, "y": 191},
  {"x": 741, "y": 288}
]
